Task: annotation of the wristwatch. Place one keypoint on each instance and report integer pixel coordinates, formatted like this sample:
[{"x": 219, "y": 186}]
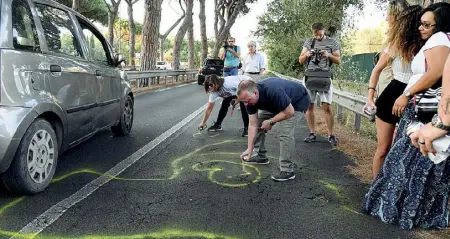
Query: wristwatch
[
  {"x": 436, "y": 122},
  {"x": 271, "y": 122},
  {"x": 407, "y": 94}
]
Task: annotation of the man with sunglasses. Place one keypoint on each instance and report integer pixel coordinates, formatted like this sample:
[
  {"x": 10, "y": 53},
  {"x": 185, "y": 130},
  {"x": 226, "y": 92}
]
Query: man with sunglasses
[{"x": 231, "y": 56}]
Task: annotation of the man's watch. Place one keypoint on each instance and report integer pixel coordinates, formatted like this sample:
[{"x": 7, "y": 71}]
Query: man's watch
[
  {"x": 407, "y": 93},
  {"x": 436, "y": 122},
  {"x": 271, "y": 122}
]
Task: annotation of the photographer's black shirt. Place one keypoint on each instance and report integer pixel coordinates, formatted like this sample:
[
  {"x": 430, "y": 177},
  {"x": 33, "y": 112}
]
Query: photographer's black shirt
[
  {"x": 275, "y": 95},
  {"x": 329, "y": 44}
]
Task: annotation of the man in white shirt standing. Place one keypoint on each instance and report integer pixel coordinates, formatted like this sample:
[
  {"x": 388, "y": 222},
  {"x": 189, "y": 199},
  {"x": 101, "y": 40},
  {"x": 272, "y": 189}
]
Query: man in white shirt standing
[{"x": 254, "y": 64}]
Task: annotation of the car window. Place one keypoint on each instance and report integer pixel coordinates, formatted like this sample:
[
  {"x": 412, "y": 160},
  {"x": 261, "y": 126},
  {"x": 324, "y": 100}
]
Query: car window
[
  {"x": 24, "y": 31},
  {"x": 96, "y": 46},
  {"x": 59, "y": 31},
  {"x": 214, "y": 63}
]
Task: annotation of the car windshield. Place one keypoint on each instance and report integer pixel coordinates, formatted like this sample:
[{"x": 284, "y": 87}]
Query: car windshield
[
  {"x": 214, "y": 63},
  {"x": 160, "y": 63}
]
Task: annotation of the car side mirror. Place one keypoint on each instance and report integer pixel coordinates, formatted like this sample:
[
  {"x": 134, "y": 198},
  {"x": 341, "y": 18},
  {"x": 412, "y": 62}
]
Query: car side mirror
[{"x": 118, "y": 59}]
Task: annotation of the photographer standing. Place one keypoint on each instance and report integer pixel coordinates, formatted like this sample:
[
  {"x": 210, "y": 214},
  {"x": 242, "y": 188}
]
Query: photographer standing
[
  {"x": 319, "y": 53},
  {"x": 230, "y": 55}
]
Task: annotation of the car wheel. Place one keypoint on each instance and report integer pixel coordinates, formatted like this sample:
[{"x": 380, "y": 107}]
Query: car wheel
[
  {"x": 200, "y": 79},
  {"x": 34, "y": 164},
  {"x": 126, "y": 119}
]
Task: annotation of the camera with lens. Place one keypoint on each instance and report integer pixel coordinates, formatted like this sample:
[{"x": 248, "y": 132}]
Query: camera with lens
[
  {"x": 225, "y": 45},
  {"x": 315, "y": 55}
]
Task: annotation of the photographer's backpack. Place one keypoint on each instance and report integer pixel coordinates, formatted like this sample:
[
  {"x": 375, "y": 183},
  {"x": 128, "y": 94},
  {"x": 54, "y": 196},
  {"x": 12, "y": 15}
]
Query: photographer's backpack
[{"x": 318, "y": 79}]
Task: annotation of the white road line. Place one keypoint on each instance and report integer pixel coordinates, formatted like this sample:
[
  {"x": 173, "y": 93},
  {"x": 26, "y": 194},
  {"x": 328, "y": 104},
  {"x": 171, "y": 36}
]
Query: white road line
[{"x": 51, "y": 215}]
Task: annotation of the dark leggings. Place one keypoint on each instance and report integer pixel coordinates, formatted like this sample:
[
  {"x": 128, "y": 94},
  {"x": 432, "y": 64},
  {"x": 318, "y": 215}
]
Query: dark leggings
[{"x": 224, "y": 110}]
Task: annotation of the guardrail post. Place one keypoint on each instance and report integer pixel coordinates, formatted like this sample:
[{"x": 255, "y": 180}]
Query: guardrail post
[
  {"x": 357, "y": 122},
  {"x": 339, "y": 113}
]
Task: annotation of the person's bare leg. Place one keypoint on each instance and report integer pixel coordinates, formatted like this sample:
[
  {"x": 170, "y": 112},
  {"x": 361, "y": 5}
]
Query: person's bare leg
[
  {"x": 385, "y": 133},
  {"x": 328, "y": 118},
  {"x": 310, "y": 119}
]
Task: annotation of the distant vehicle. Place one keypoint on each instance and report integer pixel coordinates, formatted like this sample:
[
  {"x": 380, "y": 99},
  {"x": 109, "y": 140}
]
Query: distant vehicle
[
  {"x": 210, "y": 66},
  {"x": 162, "y": 65},
  {"x": 60, "y": 83}
]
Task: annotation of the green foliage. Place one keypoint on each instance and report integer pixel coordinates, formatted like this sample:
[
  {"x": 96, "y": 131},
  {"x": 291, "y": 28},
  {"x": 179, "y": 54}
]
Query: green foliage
[
  {"x": 92, "y": 9},
  {"x": 349, "y": 77},
  {"x": 287, "y": 24}
]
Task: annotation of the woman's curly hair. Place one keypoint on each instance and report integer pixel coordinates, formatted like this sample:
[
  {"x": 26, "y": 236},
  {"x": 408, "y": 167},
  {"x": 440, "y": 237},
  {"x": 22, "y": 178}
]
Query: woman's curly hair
[
  {"x": 404, "y": 36},
  {"x": 214, "y": 80}
]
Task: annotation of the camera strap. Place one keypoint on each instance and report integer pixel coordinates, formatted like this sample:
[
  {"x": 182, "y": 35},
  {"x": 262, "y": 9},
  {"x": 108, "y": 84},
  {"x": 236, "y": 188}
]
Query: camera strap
[{"x": 309, "y": 58}]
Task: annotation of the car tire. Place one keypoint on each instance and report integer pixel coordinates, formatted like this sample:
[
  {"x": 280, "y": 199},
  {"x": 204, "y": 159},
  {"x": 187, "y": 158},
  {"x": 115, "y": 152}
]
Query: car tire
[
  {"x": 200, "y": 80},
  {"x": 40, "y": 145},
  {"x": 126, "y": 119}
]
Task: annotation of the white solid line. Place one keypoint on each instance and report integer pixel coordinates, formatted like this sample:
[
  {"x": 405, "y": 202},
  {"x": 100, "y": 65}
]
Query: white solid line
[{"x": 51, "y": 215}]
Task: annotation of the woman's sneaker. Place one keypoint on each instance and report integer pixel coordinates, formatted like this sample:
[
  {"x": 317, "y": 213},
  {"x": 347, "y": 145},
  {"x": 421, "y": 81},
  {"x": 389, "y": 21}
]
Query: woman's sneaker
[
  {"x": 283, "y": 176},
  {"x": 244, "y": 132},
  {"x": 333, "y": 141},
  {"x": 311, "y": 138},
  {"x": 215, "y": 127}
]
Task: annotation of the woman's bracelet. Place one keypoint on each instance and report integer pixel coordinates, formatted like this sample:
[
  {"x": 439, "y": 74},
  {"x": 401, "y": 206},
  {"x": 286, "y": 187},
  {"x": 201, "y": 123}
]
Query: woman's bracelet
[{"x": 372, "y": 88}]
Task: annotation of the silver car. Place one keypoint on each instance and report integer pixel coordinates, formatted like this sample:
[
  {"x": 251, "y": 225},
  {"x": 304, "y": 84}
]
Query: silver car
[{"x": 60, "y": 84}]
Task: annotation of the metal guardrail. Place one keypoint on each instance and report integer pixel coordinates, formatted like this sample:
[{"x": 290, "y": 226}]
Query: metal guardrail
[
  {"x": 137, "y": 76},
  {"x": 343, "y": 99}
]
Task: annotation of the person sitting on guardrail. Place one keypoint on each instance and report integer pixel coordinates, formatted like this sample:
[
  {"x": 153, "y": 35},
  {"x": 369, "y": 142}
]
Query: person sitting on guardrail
[
  {"x": 320, "y": 53},
  {"x": 404, "y": 43},
  {"x": 271, "y": 101},
  {"x": 224, "y": 87},
  {"x": 410, "y": 189}
]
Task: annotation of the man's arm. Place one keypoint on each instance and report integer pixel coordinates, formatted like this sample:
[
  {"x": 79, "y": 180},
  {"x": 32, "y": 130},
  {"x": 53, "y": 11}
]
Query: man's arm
[
  {"x": 252, "y": 131},
  {"x": 262, "y": 64},
  {"x": 285, "y": 114},
  {"x": 222, "y": 55},
  {"x": 236, "y": 54},
  {"x": 304, "y": 55},
  {"x": 335, "y": 57}
]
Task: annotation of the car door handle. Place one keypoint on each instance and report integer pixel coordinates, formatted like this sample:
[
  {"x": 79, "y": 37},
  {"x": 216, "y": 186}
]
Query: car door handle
[
  {"x": 98, "y": 73},
  {"x": 55, "y": 69}
]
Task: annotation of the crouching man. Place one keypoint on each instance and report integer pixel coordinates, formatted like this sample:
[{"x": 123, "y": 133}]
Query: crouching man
[{"x": 268, "y": 102}]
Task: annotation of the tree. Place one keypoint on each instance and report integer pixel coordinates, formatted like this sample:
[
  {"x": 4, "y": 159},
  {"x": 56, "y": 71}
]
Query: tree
[
  {"x": 92, "y": 9},
  {"x": 150, "y": 34},
  {"x": 163, "y": 37},
  {"x": 181, "y": 33},
  {"x": 287, "y": 23},
  {"x": 191, "y": 43},
  {"x": 113, "y": 9},
  {"x": 204, "y": 38},
  {"x": 132, "y": 30},
  {"x": 226, "y": 13}
]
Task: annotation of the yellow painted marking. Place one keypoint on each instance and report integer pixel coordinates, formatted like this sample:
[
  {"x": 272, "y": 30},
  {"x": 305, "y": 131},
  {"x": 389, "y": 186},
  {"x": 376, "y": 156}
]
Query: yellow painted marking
[{"x": 11, "y": 204}]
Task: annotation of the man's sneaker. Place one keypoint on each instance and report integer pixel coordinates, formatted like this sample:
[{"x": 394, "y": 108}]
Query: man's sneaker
[
  {"x": 215, "y": 127},
  {"x": 256, "y": 159},
  {"x": 283, "y": 176},
  {"x": 333, "y": 141},
  {"x": 245, "y": 132},
  {"x": 311, "y": 138}
]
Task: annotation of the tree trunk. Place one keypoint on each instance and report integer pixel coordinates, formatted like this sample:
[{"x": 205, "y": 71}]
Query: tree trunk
[
  {"x": 225, "y": 17},
  {"x": 203, "y": 36},
  {"x": 150, "y": 34},
  {"x": 75, "y": 4},
  {"x": 191, "y": 46},
  {"x": 181, "y": 33},
  {"x": 111, "y": 18},
  {"x": 132, "y": 31}
]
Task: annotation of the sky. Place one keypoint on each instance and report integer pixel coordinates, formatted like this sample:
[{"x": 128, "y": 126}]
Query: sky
[{"x": 244, "y": 25}]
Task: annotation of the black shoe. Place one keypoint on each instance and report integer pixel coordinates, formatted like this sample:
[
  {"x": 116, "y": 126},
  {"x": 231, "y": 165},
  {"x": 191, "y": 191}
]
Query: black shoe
[
  {"x": 311, "y": 138},
  {"x": 215, "y": 127},
  {"x": 256, "y": 160},
  {"x": 245, "y": 132},
  {"x": 283, "y": 176},
  {"x": 333, "y": 141}
]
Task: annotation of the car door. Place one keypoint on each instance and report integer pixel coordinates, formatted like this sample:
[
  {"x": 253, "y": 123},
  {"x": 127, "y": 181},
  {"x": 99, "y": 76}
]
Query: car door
[
  {"x": 73, "y": 84},
  {"x": 108, "y": 76}
]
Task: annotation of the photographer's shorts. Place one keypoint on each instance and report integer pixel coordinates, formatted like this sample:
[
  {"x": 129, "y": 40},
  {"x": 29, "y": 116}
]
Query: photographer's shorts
[
  {"x": 325, "y": 97},
  {"x": 386, "y": 101}
]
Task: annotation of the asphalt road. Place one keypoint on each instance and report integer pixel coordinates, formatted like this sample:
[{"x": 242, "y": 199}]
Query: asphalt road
[{"x": 162, "y": 182}]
